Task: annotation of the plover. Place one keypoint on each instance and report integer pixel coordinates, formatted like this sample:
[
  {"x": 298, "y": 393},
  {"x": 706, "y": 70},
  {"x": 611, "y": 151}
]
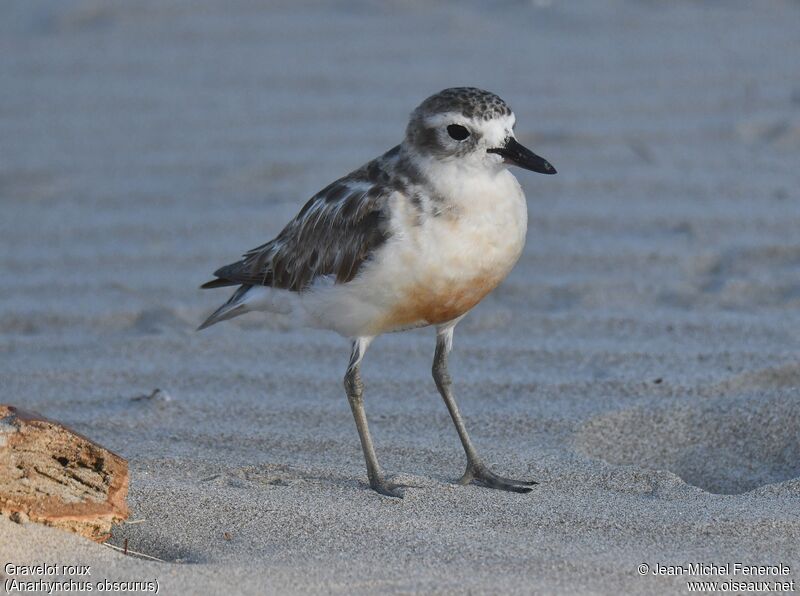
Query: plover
[{"x": 415, "y": 237}]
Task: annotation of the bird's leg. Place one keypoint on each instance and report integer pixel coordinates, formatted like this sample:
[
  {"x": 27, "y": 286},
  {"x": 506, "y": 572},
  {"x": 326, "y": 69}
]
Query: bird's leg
[
  {"x": 477, "y": 471},
  {"x": 355, "y": 395}
]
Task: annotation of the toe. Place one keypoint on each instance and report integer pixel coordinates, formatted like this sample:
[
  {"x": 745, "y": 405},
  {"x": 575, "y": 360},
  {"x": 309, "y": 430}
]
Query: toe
[
  {"x": 388, "y": 490},
  {"x": 483, "y": 476},
  {"x": 517, "y": 482},
  {"x": 500, "y": 485}
]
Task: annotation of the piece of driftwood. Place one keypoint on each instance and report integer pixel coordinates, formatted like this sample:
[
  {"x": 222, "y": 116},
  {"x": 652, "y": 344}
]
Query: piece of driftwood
[{"x": 52, "y": 475}]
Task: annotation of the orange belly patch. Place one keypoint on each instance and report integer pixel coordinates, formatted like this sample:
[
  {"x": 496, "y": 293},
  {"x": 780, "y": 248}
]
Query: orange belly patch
[{"x": 436, "y": 303}]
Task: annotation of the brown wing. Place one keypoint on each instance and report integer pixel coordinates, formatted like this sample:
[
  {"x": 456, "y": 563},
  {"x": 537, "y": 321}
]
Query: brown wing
[{"x": 334, "y": 234}]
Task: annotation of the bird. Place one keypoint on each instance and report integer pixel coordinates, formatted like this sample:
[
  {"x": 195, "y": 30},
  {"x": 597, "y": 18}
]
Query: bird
[{"x": 416, "y": 237}]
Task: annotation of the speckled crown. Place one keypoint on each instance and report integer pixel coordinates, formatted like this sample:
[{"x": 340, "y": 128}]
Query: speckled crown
[{"x": 470, "y": 102}]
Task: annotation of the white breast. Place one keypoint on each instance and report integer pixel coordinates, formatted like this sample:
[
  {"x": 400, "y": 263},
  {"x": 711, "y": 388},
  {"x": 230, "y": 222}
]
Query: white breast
[
  {"x": 437, "y": 267},
  {"x": 479, "y": 231}
]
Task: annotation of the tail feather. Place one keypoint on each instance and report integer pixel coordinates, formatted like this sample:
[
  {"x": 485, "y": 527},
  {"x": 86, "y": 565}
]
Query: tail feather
[
  {"x": 235, "y": 306},
  {"x": 218, "y": 283}
]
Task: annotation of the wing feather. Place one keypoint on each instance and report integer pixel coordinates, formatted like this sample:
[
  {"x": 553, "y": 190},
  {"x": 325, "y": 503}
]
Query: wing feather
[{"x": 335, "y": 233}]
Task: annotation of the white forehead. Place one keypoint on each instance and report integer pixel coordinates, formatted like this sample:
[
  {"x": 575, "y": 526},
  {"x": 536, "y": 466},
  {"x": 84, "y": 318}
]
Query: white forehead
[{"x": 493, "y": 131}]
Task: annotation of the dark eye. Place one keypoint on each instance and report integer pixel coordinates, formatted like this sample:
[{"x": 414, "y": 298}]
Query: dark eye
[{"x": 457, "y": 132}]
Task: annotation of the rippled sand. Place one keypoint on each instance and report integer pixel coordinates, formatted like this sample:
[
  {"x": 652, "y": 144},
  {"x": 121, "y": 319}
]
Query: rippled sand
[{"x": 641, "y": 361}]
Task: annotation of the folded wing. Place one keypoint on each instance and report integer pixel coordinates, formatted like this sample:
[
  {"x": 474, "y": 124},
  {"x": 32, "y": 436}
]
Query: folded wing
[{"x": 334, "y": 234}]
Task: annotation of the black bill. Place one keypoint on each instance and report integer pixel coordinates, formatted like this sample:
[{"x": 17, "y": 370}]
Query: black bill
[{"x": 516, "y": 154}]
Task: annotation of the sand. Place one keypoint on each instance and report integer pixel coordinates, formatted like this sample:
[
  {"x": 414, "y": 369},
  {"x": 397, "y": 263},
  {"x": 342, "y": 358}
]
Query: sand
[{"x": 641, "y": 361}]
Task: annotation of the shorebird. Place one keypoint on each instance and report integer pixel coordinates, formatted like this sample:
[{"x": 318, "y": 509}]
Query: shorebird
[{"x": 414, "y": 238}]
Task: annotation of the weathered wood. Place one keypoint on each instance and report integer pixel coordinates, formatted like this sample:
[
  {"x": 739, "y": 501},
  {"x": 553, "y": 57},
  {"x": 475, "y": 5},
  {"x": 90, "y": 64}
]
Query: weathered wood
[{"x": 52, "y": 475}]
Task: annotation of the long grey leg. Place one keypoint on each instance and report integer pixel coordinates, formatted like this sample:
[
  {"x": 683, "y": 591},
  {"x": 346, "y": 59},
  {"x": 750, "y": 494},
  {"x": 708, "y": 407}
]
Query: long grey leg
[
  {"x": 476, "y": 470},
  {"x": 355, "y": 395}
]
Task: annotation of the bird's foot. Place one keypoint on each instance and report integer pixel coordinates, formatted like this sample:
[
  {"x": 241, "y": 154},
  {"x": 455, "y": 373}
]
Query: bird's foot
[
  {"x": 478, "y": 473},
  {"x": 387, "y": 489}
]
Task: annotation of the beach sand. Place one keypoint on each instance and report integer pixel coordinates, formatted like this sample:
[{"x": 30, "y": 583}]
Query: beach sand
[{"x": 641, "y": 361}]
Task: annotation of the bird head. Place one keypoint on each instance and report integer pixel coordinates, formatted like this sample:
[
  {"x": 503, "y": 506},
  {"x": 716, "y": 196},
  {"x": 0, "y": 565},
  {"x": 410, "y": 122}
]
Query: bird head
[{"x": 470, "y": 127}]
